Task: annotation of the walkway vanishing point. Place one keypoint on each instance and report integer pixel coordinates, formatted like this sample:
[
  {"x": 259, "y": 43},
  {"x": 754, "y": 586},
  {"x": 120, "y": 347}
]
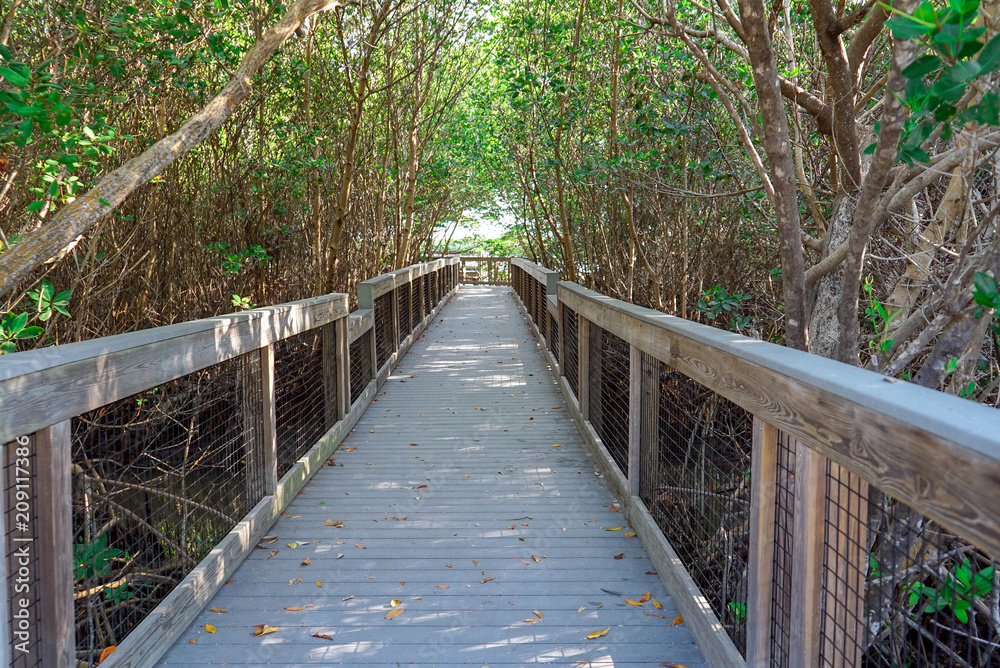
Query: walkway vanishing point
[{"x": 466, "y": 494}]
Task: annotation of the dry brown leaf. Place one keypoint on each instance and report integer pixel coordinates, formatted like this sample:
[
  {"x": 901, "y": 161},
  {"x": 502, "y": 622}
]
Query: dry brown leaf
[
  {"x": 673, "y": 665},
  {"x": 191, "y": 641},
  {"x": 110, "y": 649},
  {"x": 359, "y": 546},
  {"x": 319, "y": 584},
  {"x": 677, "y": 620},
  {"x": 540, "y": 615},
  {"x": 475, "y": 563},
  {"x": 306, "y": 561},
  {"x": 581, "y": 608},
  {"x": 209, "y": 628},
  {"x": 486, "y": 579},
  {"x": 295, "y": 608},
  {"x": 443, "y": 586},
  {"x": 353, "y": 447},
  {"x": 421, "y": 486},
  {"x": 613, "y": 509},
  {"x": 657, "y": 605},
  {"x": 534, "y": 619},
  {"x": 630, "y": 534},
  {"x": 273, "y": 552},
  {"x": 535, "y": 558},
  {"x": 645, "y": 597},
  {"x": 339, "y": 524},
  {"x": 598, "y": 634},
  {"x": 321, "y": 635},
  {"x": 620, "y": 556},
  {"x": 395, "y": 612},
  {"x": 555, "y": 408},
  {"x": 631, "y": 602},
  {"x": 650, "y": 614},
  {"x": 218, "y": 610},
  {"x": 264, "y": 629},
  {"x": 448, "y": 566},
  {"x": 229, "y": 582}
]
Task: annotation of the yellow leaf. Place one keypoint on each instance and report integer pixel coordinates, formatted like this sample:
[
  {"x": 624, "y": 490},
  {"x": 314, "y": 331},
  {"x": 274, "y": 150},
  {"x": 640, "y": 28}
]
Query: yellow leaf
[
  {"x": 631, "y": 602},
  {"x": 394, "y": 602},
  {"x": 443, "y": 586},
  {"x": 107, "y": 651},
  {"x": 293, "y": 545},
  {"x": 657, "y": 605},
  {"x": 598, "y": 634},
  {"x": 475, "y": 563},
  {"x": 264, "y": 629},
  {"x": 395, "y": 612},
  {"x": 321, "y": 635},
  {"x": 535, "y": 558},
  {"x": 534, "y": 619},
  {"x": 645, "y": 597},
  {"x": 319, "y": 584},
  {"x": 293, "y": 608},
  {"x": 613, "y": 528},
  {"x": 218, "y": 610},
  {"x": 557, "y": 445},
  {"x": 630, "y": 534},
  {"x": 307, "y": 561},
  {"x": 273, "y": 552},
  {"x": 673, "y": 665},
  {"x": 359, "y": 546},
  {"x": 540, "y": 615},
  {"x": 191, "y": 641},
  {"x": 209, "y": 628},
  {"x": 486, "y": 579},
  {"x": 448, "y": 565},
  {"x": 650, "y": 614},
  {"x": 465, "y": 475},
  {"x": 581, "y": 608},
  {"x": 677, "y": 620}
]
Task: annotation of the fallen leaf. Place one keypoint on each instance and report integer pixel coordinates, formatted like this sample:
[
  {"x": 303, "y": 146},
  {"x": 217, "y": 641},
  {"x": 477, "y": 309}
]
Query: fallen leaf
[
  {"x": 413, "y": 444},
  {"x": 598, "y": 634},
  {"x": 630, "y": 534},
  {"x": 613, "y": 528},
  {"x": 486, "y": 579},
  {"x": 645, "y": 597},
  {"x": 620, "y": 556},
  {"x": 339, "y": 524},
  {"x": 651, "y": 573},
  {"x": 107, "y": 651},
  {"x": 295, "y": 581},
  {"x": 673, "y": 665},
  {"x": 321, "y": 635},
  {"x": 555, "y": 408},
  {"x": 657, "y": 605},
  {"x": 448, "y": 565},
  {"x": 611, "y": 591},
  {"x": 394, "y": 602},
  {"x": 421, "y": 486},
  {"x": 475, "y": 563},
  {"x": 306, "y": 561},
  {"x": 293, "y": 545},
  {"x": 535, "y": 558},
  {"x": 540, "y": 615},
  {"x": 650, "y": 614},
  {"x": 229, "y": 582},
  {"x": 395, "y": 612},
  {"x": 443, "y": 586},
  {"x": 557, "y": 445},
  {"x": 319, "y": 584},
  {"x": 209, "y": 628},
  {"x": 533, "y": 619},
  {"x": 348, "y": 598},
  {"x": 293, "y": 608},
  {"x": 264, "y": 629},
  {"x": 613, "y": 509},
  {"x": 191, "y": 641},
  {"x": 359, "y": 546},
  {"x": 369, "y": 464},
  {"x": 631, "y": 602},
  {"x": 218, "y": 610},
  {"x": 677, "y": 620},
  {"x": 273, "y": 552},
  {"x": 465, "y": 475},
  {"x": 581, "y": 608},
  {"x": 353, "y": 447}
]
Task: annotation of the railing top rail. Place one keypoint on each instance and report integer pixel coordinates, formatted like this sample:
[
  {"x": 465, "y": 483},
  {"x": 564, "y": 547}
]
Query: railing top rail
[
  {"x": 483, "y": 258},
  {"x": 373, "y": 288},
  {"x": 359, "y": 322},
  {"x": 39, "y": 388},
  {"x": 547, "y": 277},
  {"x": 937, "y": 452}
]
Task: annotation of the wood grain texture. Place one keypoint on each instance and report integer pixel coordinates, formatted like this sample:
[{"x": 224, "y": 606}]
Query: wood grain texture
[
  {"x": 55, "y": 548},
  {"x": 764, "y": 463},
  {"x": 547, "y": 277},
  {"x": 269, "y": 440},
  {"x": 46, "y": 386},
  {"x": 360, "y": 321},
  {"x": 583, "y": 363},
  {"x": 634, "y": 418},
  {"x": 937, "y": 452},
  {"x": 807, "y": 556}
]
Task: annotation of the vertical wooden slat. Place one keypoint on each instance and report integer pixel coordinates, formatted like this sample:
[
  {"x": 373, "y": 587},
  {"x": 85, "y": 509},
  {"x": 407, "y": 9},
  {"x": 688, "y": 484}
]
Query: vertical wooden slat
[
  {"x": 269, "y": 442},
  {"x": 394, "y": 299},
  {"x": 331, "y": 406},
  {"x": 807, "y": 555},
  {"x": 343, "y": 368},
  {"x": 562, "y": 337},
  {"x": 55, "y": 547},
  {"x": 634, "y": 417},
  {"x": 763, "y": 474},
  {"x": 583, "y": 364},
  {"x": 649, "y": 430}
]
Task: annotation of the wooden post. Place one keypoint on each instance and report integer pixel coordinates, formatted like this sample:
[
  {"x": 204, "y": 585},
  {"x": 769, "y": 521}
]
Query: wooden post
[
  {"x": 343, "y": 368},
  {"x": 394, "y": 331},
  {"x": 420, "y": 288},
  {"x": 583, "y": 364},
  {"x": 807, "y": 555},
  {"x": 763, "y": 474},
  {"x": 53, "y": 448},
  {"x": 649, "y": 430},
  {"x": 269, "y": 441},
  {"x": 634, "y": 417},
  {"x": 562, "y": 338},
  {"x": 331, "y": 408}
]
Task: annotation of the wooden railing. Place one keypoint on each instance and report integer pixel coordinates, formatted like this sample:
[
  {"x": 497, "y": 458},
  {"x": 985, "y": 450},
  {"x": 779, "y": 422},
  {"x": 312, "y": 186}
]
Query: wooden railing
[
  {"x": 801, "y": 511},
  {"x": 485, "y": 270},
  {"x": 140, "y": 469}
]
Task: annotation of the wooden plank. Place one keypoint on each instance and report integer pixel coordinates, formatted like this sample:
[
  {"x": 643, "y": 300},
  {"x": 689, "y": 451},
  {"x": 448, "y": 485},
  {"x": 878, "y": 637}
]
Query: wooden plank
[
  {"x": 55, "y": 547},
  {"x": 807, "y": 556},
  {"x": 343, "y": 369},
  {"x": 269, "y": 442},
  {"x": 583, "y": 364},
  {"x": 764, "y": 462},
  {"x": 634, "y": 418},
  {"x": 891, "y": 433},
  {"x": 360, "y": 322},
  {"x": 330, "y": 380},
  {"x": 539, "y": 273},
  {"x": 46, "y": 386}
]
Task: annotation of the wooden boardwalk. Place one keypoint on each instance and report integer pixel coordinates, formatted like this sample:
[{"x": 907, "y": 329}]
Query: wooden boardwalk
[{"x": 451, "y": 497}]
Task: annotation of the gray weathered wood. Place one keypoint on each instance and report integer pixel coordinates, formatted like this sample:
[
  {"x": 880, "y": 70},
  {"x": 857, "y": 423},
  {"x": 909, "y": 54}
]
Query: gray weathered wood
[
  {"x": 583, "y": 364},
  {"x": 807, "y": 556},
  {"x": 764, "y": 462},
  {"x": 55, "y": 547},
  {"x": 269, "y": 442},
  {"x": 891, "y": 433},
  {"x": 360, "y": 322},
  {"x": 343, "y": 369},
  {"x": 634, "y": 418}
]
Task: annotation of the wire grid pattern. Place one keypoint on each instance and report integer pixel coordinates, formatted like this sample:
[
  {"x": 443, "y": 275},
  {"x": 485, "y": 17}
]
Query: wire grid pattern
[
  {"x": 554, "y": 337},
  {"x": 21, "y": 552},
  {"x": 403, "y": 313},
  {"x": 305, "y": 400},
  {"x": 159, "y": 478},
  {"x": 609, "y": 393},
  {"x": 781, "y": 584},
  {"x": 360, "y": 365},
  {"x": 697, "y": 485},
  {"x": 384, "y": 327},
  {"x": 570, "y": 362},
  {"x": 415, "y": 317},
  {"x": 929, "y": 597}
]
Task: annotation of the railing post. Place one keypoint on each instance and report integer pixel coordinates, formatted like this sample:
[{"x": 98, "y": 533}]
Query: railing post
[
  {"x": 649, "y": 431},
  {"x": 562, "y": 336},
  {"x": 763, "y": 484},
  {"x": 331, "y": 401},
  {"x": 343, "y": 368},
  {"x": 634, "y": 416},
  {"x": 583, "y": 364},
  {"x": 53, "y": 448},
  {"x": 394, "y": 329},
  {"x": 807, "y": 555},
  {"x": 269, "y": 440}
]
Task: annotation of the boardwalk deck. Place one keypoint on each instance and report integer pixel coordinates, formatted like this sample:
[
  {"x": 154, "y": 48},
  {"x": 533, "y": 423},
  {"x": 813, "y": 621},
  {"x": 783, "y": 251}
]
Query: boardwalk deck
[{"x": 454, "y": 500}]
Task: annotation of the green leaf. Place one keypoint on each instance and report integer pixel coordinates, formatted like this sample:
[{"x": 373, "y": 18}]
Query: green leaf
[
  {"x": 921, "y": 67},
  {"x": 29, "y": 332},
  {"x": 17, "y": 323},
  {"x": 965, "y": 70},
  {"x": 14, "y": 78},
  {"x": 989, "y": 57},
  {"x": 905, "y": 27}
]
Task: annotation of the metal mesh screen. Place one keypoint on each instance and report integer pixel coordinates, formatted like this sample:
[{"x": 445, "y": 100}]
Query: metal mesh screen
[
  {"x": 570, "y": 370},
  {"x": 384, "y": 327},
  {"x": 415, "y": 317},
  {"x": 554, "y": 337},
  {"x": 361, "y": 364},
  {"x": 609, "y": 393},
  {"x": 302, "y": 406},
  {"x": 781, "y": 586},
  {"x": 929, "y": 598},
  {"x": 22, "y": 544},
  {"x": 698, "y": 486},
  {"x": 403, "y": 312},
  {"x": 159, "y": 478}
]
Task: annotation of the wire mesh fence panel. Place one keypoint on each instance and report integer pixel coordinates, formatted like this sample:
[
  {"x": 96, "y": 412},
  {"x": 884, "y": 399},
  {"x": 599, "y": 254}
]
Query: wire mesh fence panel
[
  {"x": 929, "y": 598},
  {"x": 570, "y": 370},
  {"x": 554, "y": 337},
  {"x": 609, "y": 393},
  {"x": 159, "y": 478},
  {"x": 697, "y": 486},
  {"x": 403, "y": 312},
  {"x": 781, "y": 585},
  {"x": 415, "y": 317},
  {"x": 361, "y": 364},
  {"x": 21, "y": 523},
  {"x": 384, "y": 327},
  {"x": 300, "y": 402}
]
